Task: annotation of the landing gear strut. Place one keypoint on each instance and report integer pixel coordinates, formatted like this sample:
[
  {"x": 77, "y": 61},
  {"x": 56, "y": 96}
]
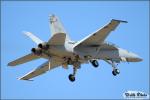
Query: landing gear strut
[
  {"x": 76, "y": 65},
  {"x": 115, "y": 70},
  {"x": 72, "y": 76}
]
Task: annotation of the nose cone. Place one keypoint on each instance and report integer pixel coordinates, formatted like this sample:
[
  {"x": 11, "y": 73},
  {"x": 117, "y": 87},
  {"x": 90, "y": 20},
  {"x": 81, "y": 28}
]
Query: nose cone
[
  {"x": 135, "y": 58},
  {"x": 139, "y": 59}
]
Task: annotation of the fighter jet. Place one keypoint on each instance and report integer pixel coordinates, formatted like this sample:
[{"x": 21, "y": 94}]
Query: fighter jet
[{"x": 60, "y": 50}]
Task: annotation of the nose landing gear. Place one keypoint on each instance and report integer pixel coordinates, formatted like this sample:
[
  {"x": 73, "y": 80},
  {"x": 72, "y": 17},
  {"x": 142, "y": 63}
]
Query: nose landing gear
[{"x": 115, "y": 71}]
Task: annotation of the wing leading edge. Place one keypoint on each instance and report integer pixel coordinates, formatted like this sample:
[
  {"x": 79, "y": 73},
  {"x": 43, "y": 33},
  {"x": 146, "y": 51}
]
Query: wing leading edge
[
  {"x": 23, "y": 59},
  {"x": 100, "y": 35}
]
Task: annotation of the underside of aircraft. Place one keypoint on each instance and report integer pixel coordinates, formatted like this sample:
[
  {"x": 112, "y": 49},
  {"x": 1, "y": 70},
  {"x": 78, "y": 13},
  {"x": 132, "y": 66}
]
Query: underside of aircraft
[{"x": 60, "y": 50}]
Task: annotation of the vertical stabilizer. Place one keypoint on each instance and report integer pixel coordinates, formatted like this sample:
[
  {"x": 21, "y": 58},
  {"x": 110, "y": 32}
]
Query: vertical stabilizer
[{"x": 56, "y": 26}]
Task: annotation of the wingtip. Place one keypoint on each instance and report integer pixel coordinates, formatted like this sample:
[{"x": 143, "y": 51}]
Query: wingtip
[
  {"x": 26, "y": 33},
  {"x": 51, "y": 15},
  {"x": 24, "y": 79},
  {"x": 19, "y": 79},
  {"x": 10, "y": 64},
  {"x": 123, "y": 21}
]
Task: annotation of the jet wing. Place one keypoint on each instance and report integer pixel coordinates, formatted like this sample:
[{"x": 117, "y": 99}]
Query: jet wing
[
  {"x": 108, "y": 46},
  {"x": 54, "y": 62},
  {"x": 24, "y": 59},
  {"x": 100, "y": 35}
]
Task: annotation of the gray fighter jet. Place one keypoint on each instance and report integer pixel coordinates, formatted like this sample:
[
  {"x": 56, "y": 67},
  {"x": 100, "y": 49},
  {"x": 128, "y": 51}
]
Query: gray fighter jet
[{"x": 59, "y": 50}]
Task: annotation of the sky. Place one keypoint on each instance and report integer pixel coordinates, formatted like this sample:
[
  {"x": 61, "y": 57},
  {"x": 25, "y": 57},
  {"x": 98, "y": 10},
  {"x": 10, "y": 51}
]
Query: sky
[{"x": 80, "y": 18}]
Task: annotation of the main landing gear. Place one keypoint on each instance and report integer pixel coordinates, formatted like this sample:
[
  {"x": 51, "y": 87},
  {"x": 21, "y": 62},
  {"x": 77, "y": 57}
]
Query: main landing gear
[
  {"x": 76, "y": 65},
  {"x": 72, "y": 76},
  {"x": 94, "y": 63}
]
